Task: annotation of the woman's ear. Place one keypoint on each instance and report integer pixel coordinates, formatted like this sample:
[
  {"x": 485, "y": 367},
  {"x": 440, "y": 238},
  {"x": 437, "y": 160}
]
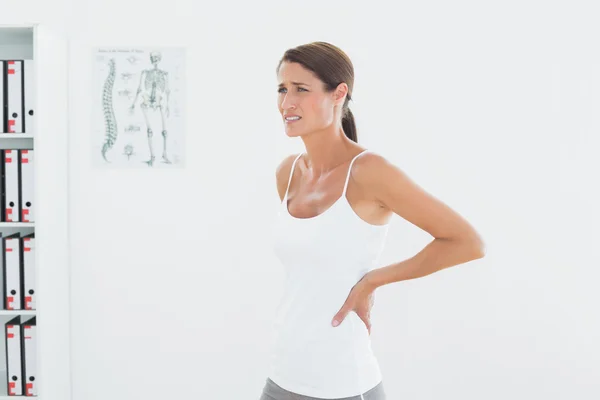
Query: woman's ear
[{"x": 340, "y": 93}]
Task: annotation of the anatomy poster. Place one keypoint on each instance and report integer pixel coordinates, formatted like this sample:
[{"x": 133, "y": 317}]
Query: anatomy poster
[{"x": 138, "y": 113}]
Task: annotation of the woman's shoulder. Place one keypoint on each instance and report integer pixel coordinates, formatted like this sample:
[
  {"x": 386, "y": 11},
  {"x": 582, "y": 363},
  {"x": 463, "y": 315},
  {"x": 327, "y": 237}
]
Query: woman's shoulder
[
  {"x": 282, "y": 173},
  {"x": 369, "y": 162},
  {"x": 373, "y": 169},
  {"x": 285, "y": 165}
]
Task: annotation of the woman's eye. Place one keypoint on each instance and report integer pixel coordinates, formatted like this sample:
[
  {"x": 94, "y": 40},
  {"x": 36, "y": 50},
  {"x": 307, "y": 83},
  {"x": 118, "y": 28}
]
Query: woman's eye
[{"x": 280, "y": 90}]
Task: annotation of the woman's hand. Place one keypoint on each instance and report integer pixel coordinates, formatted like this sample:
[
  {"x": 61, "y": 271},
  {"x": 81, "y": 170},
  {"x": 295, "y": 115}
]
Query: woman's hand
[{"x": 360, "y": 300}]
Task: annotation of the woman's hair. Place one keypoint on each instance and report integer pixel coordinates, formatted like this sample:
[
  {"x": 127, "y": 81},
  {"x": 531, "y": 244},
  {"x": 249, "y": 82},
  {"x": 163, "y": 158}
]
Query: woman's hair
[{"x": 332, "y": 66}]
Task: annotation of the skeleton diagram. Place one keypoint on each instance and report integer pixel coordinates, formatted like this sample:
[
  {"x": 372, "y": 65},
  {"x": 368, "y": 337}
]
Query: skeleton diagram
[{"x": 154, "y": 90}]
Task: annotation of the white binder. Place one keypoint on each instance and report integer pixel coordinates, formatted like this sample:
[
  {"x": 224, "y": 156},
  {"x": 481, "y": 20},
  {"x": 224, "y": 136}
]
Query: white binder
[
  {"x": 14, "y": 88},
  {"x": 16, "y": 106},
  {"x": 28, "y": 259},
  {"x": 3, "y": 95},
  {"x": 29, "y": 98},
  {"x": 2, "y": 272},
  {"x": 14, "y": 366},
  {"x": 27, "y": 187},
  {"x": 12, "y": 272},
  {"x": 11, "y": 185},
  {"x": 29, "y": 334}
]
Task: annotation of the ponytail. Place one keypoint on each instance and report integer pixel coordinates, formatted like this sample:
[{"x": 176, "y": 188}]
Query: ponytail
[{"x": 349, "y": 126}]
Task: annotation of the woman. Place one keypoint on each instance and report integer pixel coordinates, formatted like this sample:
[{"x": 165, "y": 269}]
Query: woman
[{"x": 337, "y": 200}]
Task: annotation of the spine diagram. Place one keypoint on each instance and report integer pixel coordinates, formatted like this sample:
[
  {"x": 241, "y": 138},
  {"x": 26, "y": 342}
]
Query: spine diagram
[{"x": 109, "y": 114}]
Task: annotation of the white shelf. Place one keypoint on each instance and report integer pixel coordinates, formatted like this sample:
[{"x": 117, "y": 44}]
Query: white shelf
[
  {"x": 17, "y": 225},
  {"x": 16, "y": 135},
  {"x": 18, "y": 312}
]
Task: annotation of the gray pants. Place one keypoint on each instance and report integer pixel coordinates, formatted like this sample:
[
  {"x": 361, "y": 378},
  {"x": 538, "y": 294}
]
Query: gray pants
[{"x": 272, "y": 391}]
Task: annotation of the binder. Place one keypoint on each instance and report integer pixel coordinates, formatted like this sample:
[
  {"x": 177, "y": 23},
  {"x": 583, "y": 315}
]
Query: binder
[
  {"x": 3, "y": 98},
  {"x": 2, "y": 274},
  {"x": 26, "y": 169},
  {"x": 12, "y": 272},
  {"x": 28, "y": 347},
  {"x": 10, "y": 185},
  {"x": 14, "y": 365},
  {"x": 28, "y": 265},
  {"x": 14, "y": 89},
  {"x": 29, "y": 84}
]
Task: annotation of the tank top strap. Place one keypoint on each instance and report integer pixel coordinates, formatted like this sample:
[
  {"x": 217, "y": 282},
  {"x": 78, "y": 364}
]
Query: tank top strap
[
  {"x": 350, "y": 169},
  {"x": 291, "y": 174}
]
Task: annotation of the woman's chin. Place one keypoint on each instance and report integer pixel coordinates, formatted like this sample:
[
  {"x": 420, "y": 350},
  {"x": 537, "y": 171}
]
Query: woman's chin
[{"x": 292, "y": 132}]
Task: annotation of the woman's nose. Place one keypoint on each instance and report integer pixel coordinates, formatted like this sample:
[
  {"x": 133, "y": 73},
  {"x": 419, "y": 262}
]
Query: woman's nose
[{"x": 288, "y": 102}]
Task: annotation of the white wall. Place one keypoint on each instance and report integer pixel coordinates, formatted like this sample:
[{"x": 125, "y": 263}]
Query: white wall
[{"x": 493, "y": 110}]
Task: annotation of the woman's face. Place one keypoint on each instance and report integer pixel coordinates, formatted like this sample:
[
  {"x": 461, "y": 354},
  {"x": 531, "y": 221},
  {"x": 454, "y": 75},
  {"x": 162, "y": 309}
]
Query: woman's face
[{"x": 301, "y": 94}]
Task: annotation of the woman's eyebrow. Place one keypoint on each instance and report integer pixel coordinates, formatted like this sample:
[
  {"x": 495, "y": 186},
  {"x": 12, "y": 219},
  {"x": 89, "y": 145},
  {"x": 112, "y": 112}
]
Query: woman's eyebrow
[{"x": 295, "y": 83}]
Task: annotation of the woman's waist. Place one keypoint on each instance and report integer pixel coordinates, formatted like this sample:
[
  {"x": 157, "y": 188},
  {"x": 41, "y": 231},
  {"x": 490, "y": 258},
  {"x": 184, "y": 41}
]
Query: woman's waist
[
  {"x": 315, "y": 333},
  {"x": 319, "y": 298},
  {"x": 322, "y": 357}
]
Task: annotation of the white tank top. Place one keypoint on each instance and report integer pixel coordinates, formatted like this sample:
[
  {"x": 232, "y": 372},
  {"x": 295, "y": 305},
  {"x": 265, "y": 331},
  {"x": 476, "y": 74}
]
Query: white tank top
[{"x": 323, "y": 258}]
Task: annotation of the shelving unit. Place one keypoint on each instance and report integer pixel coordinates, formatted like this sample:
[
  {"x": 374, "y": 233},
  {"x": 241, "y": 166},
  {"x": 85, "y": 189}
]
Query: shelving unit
[
  {"x": 22, "y": 38},
  {"x": 17, "y": 45}
]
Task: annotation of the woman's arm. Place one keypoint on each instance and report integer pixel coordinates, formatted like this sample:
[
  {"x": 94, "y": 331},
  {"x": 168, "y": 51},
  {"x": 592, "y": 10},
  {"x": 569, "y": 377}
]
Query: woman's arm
[{"x": 455, "y": 240}]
